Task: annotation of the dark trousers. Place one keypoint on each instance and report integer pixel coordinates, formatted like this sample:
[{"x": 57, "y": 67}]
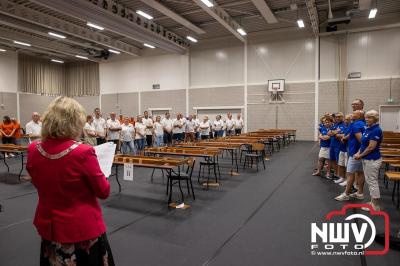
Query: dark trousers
[
  {"x": 8, "y": 140},
  {"x": 205, "y": 136},
  {"x": 238, "y": 131},
  {"x": 149, "y": 140},
  {"x": 167, "y": 138},
  {"x": 100, "y": 141}
]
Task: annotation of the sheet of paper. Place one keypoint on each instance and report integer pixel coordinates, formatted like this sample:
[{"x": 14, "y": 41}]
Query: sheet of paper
[
  {"x": 105, "y": 155},
  {"x": 128, "y": 171}
]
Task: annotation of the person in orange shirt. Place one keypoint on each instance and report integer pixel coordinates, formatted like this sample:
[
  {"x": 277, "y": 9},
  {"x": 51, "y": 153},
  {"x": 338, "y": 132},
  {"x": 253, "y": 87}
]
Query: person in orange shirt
[
  {"x": 7, "y": 130},
  {"x": 18, "y": 130}
]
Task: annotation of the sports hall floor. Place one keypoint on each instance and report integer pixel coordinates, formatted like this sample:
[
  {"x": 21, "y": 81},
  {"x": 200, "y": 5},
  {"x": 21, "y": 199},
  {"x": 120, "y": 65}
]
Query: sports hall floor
[{"x": 253, "y": 219}]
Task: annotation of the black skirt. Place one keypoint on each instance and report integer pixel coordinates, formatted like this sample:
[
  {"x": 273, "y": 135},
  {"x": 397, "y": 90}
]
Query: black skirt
[{"x": 95, "y": 252}]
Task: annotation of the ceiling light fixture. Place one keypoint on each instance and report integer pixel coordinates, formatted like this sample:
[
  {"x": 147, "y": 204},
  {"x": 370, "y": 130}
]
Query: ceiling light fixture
[
  {"x": 22, "y": 43},
  {"x": 208, "y": 3},
  {"x": 95, "y": 26},
  {"x": 300, "y": 23},
  {"x": 144, "y": 14},
  {"x": 149, "y": 46},
  {"x": 241, "y": 31},
  {"x": 372, "y": 13},
  {"x": 114, "y": 51},
  {"x": 57, "y": 61},
  {"x": 57, "y": 35},
  {"x": 81, "y": 57},
  {"x": 190, "y": 38}
]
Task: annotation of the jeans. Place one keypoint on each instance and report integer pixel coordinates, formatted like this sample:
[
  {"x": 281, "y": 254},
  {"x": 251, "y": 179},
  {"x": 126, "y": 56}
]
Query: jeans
[
  {"x": 128, "y": 147},
  {"x": 218, "y": 133},
  {"x": 159, "y": 140},
  {"x": 139, "y": 144}
]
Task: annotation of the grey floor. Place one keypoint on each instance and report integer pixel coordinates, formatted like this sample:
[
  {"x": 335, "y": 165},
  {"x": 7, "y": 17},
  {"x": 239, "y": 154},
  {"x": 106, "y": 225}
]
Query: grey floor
[{"x": 252, "y": 219}]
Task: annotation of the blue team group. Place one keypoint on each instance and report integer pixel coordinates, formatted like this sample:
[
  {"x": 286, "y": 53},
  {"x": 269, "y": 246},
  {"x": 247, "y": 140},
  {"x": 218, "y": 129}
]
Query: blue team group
[{"x": 350, "y": 151}]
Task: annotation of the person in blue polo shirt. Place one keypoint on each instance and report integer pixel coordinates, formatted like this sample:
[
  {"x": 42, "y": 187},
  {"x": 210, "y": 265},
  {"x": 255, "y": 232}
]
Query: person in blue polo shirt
[
  {"x": 342, "y": 161},
  {"x": 336, "y": 128},
  {"x": 354, "y": 166},
  {"x": 325, "y": 142},
  {"x": 370, "y": 156}
]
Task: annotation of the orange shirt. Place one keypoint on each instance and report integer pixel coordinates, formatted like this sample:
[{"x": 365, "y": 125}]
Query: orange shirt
[
  {"x": 17, "y": 133},
  {"x": 7, "y": 128}
]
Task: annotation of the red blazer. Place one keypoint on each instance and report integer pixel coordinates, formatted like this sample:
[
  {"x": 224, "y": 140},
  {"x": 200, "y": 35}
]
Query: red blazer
[{"x": 68, "y": 188}]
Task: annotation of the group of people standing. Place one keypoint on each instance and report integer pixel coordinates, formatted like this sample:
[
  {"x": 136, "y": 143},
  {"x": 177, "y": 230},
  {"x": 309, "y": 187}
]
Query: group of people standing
[
  {"x": 11, "y": 131},
  {"x": 134, "y": 135},
  {"x": 350, "y": 151}
]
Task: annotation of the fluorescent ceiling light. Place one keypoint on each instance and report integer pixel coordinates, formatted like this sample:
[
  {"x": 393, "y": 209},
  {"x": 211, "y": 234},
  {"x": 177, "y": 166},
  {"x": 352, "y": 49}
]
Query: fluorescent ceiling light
[
  {"x": 57, "y": 35},
  {"x": 22, "y": 43},
  {"x": 2, "y": 50},
  {"x": 82, "y": 57},
  {"x": 95, "y": 26},
  {"x": 300, "y": 22},
  {"x": 208, "y": 3},
  {"x": 114, "y": 51},
  {"x": 242, "y": 32},
  {"x": 190, "y": 38},
  {"x": 372, "y": 13},
  {"x": 57, "y": 61},
  {"x": 144, "y": 14},
  {"x": 150, "y": 46}
]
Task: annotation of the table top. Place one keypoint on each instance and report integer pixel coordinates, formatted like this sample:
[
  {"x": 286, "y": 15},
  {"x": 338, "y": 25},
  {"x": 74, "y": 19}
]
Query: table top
[
  {"x": 150, "y": 162},
  {"x": 393, "y": 175},
  {"x": 210, "y": 145},
  {"x": 13, "y": 148},
  {"x": 199, "y": 152}
]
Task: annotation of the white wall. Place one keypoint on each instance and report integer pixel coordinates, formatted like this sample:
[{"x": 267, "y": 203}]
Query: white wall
[
  {"x": 329, "y": 58},
  {"x": 292, "y": 60},
  {"x": 8, "y": 72},
  {"x": 170, "y": 71},
  {"x": 216, "y": 67}
]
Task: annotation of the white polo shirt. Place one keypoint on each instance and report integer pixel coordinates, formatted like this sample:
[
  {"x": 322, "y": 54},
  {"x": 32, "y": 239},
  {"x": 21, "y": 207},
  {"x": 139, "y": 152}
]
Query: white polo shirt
[
  {"x": 206, "y": 130},
  {"x": 178, "y": 122},
  {"x": 230, "y": 124},
  {"x": 127, "y": 132},
  {"x": 158, "y": 129},
  {"x": 239, "y": 123},
  {"x": 190, "y": 126},
  {"x": 148, "y": 122},
  {"x": 218, "y": 124},
  {"x": 113, "y": 135},
  {"x": 140, "y": 128},
  {"x": 33, "y": 128},
  {"x": 100, "y": 126},
  {"x": 167, "y": 123}
]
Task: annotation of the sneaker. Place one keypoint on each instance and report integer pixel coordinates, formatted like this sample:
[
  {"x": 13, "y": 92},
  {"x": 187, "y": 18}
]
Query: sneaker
[
  {"x": 375, "y": 207},
  {"x": 328, "y": 177},
  {"x": 6, "y": 155},
  {"x": 356, "y": 195},
  {"x": 344, "y": 183},
  {"x": 12, "y": 155},
  {"x": 343, "y": 197},
  {"x": 340, "y": 180}
]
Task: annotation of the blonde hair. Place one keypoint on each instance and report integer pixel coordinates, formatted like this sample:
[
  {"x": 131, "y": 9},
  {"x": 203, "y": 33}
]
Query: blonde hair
[
  {"x": 374, "y": 114},
  {"x": 64, "y": 118}
]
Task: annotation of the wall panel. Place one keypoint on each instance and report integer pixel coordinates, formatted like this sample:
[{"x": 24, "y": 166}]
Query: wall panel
[
  {"x": 8, "y": 106},
  {"x": 122, "y": 103},
  {"x": 30, "y": 103},
  {"x": 175, "y": 99},
  {"x": 328, "y": 98},
  {"x": 8, "y": 71},
  {"x": 88, "y": 102}
]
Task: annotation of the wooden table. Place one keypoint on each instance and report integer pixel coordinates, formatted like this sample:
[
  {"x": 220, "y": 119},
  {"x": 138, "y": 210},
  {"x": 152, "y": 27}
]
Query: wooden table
[
  {"x": 230, "y": 147},
  {"x": 162, "y": 163},
  {"x": 395, "y": 177},
  {"x": 17, "y": 149}
]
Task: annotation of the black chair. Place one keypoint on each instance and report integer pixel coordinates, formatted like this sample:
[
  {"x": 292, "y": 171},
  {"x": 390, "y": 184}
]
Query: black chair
[
  {"x": 210, "y": 164},
  {"x": 256, "y": 154},
  {"x": 245, "y": 148},
  {"x": 176, "y": 178}
]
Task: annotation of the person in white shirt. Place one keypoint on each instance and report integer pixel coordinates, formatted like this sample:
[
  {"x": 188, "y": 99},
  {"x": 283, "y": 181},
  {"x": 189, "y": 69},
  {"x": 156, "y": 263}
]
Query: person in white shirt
[
  {"x": 167, "y": 124},
  {"x": 100, "y": 125},
  {"x": 140, "y": 134},
  {"x": 158, "y": 132},
  {"x": 127, "y": 136},
  {"x": 34, "y": 127},
  {"x": 190, "y": 129},
  {"x": 178, "y": 128},
  {"x": 148, "y": 122},
  {"x": 230, "y": 125},
  {"x": 113, "y": 128},
  {"x": 238, "y": 125},
  {"x": 89, "y": 132},
  {"x": 218, "y": 126},
  {"x": 197, "y": 129},
  {"x": 205, "y": 128}
]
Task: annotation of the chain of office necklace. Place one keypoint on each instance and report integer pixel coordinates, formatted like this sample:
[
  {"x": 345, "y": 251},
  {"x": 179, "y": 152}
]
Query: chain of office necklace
[{"x": 58, "y": 155}]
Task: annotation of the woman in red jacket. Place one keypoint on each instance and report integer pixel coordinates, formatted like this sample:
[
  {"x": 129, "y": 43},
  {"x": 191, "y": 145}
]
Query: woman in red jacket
[{"x": 68, "y": 179}]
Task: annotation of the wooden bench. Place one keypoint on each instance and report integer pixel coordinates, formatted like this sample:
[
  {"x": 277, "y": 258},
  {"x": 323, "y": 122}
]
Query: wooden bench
[{"x": 395, "y": 177}]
